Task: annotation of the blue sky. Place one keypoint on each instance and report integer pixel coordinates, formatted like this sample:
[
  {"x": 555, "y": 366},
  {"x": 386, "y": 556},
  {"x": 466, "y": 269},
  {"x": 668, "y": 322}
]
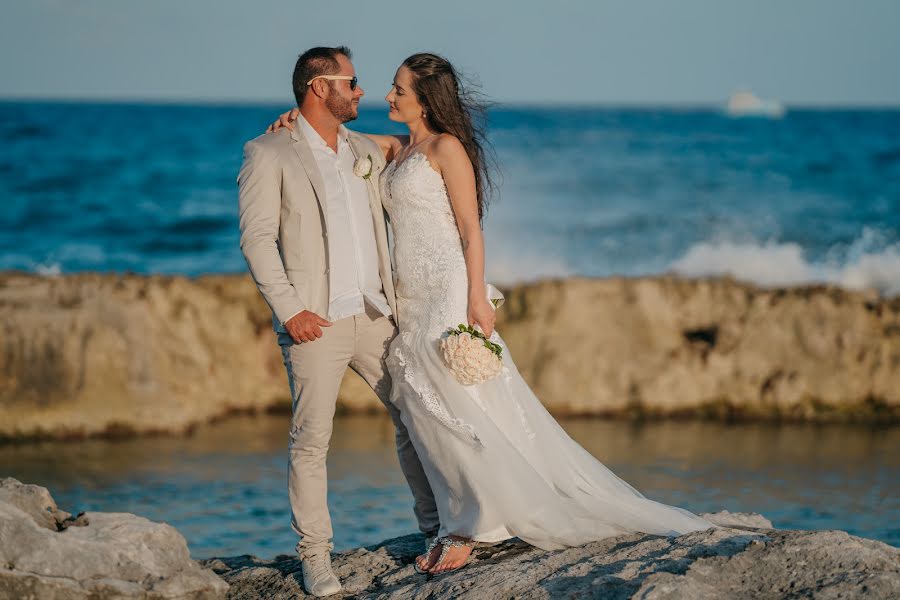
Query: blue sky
[{"x": 620, "y": 51}]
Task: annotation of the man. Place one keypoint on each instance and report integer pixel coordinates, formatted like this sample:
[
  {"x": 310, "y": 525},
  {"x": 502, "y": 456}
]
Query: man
[{"x": 315, "y": 239}]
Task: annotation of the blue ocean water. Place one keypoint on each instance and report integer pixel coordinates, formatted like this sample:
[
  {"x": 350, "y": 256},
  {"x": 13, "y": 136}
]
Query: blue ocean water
[
  {"x": 813, "y": 196},
  {"x": 225, "y": 486}
]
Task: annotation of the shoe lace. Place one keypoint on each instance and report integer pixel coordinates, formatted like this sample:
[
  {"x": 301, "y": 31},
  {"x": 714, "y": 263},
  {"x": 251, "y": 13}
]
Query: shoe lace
[{"x": 318, "y": 564}]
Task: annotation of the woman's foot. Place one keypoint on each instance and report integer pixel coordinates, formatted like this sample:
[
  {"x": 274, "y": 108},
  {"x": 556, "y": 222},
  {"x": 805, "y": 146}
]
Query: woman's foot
[
  {"x": 425, "y": 561},
  {"x": 454, "y": 552}
]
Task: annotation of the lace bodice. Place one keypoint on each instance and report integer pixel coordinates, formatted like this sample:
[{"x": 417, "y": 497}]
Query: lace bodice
[{"x": 432, "y": 284}]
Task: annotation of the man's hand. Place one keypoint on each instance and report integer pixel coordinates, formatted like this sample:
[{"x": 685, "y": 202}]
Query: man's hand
[
  {"x": 285, "y": 120},
  {"x": 305, "y": 326}
]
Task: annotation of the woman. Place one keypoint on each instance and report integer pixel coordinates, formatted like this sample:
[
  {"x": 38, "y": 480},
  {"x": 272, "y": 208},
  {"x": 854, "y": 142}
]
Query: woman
[{"x": 499, "y": 465}]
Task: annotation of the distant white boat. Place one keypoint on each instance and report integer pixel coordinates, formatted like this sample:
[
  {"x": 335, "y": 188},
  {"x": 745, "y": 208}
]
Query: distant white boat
[{"x": 747, "y": 104}]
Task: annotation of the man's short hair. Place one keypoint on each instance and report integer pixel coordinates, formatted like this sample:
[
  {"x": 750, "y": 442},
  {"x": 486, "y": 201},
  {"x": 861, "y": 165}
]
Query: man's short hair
[{"x": 314, "y": 62}]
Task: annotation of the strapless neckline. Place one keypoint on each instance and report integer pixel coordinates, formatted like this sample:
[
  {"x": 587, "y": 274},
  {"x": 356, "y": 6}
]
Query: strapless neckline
[{"x": 395, "y": 167}]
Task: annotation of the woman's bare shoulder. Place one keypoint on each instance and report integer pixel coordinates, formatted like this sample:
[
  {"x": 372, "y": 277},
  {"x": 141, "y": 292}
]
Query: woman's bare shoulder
[
  {"x": 448, "y": 149},
  {"x": 447, "y": 143}
]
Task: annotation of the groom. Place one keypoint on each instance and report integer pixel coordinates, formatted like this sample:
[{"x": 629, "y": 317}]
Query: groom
[{"x": 314, "y": 236}]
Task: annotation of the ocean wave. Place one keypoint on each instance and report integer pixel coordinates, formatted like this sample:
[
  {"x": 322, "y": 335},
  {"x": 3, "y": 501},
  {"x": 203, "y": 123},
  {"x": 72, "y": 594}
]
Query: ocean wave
[
  {"x": 861, "y": 265},
  {"x": 48, "y": 269}
]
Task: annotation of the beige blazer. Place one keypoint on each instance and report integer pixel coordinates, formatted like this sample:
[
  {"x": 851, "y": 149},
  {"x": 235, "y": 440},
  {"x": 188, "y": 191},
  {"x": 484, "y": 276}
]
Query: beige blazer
[{"x": 284, "y": 229}]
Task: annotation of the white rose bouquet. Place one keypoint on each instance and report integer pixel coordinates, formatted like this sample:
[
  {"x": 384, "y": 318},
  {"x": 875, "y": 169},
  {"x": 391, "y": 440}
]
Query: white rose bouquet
[{"x": 472, "y": 357}]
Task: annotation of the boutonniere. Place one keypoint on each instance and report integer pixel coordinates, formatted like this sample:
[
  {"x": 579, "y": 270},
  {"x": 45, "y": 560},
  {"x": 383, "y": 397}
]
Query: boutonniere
[{"x": 363, "y": 167}]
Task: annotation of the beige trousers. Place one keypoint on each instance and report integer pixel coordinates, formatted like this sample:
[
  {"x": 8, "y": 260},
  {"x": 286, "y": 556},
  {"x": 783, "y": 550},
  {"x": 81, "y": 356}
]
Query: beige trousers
[{"x": 315, "y": 370}]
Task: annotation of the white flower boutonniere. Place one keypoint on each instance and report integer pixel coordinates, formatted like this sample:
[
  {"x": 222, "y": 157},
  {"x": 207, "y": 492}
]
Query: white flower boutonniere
[{"x": 363, "y": 167}]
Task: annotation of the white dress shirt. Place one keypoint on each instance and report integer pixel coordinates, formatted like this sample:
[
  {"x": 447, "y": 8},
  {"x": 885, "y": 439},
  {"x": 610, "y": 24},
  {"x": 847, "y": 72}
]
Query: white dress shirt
[{"x": 352, "y": 252}]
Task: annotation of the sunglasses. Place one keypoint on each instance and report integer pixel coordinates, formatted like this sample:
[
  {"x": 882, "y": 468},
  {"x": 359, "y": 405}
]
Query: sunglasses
[{"x": 352, "y": 79}]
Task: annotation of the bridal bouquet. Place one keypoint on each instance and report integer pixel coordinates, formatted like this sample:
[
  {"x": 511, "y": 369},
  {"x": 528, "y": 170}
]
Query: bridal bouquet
[{"x": 472, "y": 357}]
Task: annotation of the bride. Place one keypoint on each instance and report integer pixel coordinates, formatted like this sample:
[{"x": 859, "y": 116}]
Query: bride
[{"x": 499, "y": 465}]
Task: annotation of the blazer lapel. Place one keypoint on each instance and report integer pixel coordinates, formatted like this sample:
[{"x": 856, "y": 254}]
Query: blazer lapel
[
  {"x": 378, "y": 220},
  {"x": 301, "y": 147},
  {"x": 374, "y": 197}
]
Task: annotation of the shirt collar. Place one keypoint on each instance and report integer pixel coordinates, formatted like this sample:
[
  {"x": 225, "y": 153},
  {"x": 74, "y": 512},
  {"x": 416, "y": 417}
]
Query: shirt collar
[{"x": 313, "y": 137}]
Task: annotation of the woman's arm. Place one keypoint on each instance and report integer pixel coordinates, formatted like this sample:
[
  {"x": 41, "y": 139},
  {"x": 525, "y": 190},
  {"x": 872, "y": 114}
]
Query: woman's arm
[
  {"x": 389, "y": 144},
  {"x": 451, "y": 160}
]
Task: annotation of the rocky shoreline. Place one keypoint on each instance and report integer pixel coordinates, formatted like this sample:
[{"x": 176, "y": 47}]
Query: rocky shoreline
[
  {"x": 736, "y": 562},
  {"x": 47, "y": 554},
  {"x": 106, "y": 354}
]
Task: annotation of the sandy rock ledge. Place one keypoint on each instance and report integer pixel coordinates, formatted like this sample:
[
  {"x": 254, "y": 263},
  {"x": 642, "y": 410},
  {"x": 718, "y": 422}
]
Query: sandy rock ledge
[{"x": 105, "y": 354}]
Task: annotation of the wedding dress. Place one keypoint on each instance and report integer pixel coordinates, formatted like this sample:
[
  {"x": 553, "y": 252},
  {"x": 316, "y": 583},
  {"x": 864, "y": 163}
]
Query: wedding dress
[{"x": 499, "y": 465}]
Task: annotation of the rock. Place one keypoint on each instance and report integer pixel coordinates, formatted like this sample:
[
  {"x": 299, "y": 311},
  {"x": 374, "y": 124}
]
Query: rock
[
  {"x": 116, "y": 555},
  {"x": 117, "y": 355},
  {"x": 718, "y": 563},
  {"x": 106, "y": 354},
  {"x": 790, "y": 564},
  {"x": 37, "y": 502},
  {"x": 669, "y": 347},
  {"x": 730, "y": 519},
  {"x": 120, "y": 555}
]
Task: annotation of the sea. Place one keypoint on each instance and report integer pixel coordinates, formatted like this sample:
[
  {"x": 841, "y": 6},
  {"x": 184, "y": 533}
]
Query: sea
[
  {"x": 811, "y": 197},
  {"x": 224, "y": 487}
]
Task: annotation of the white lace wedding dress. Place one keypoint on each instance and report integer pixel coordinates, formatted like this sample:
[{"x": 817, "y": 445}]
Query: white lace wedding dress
[{"x": 499, "y": 465}]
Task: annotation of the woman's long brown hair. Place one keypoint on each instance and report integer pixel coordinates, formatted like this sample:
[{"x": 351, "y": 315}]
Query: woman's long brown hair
[{"x": 451, "y": 108}]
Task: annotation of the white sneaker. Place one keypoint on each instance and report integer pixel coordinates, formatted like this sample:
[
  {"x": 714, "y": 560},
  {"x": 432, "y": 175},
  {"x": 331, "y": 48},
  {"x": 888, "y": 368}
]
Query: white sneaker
[{"x": 318, "y": 578}]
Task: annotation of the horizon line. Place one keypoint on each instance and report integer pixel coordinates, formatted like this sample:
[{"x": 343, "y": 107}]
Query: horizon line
[{"x": 679, "y": 104}]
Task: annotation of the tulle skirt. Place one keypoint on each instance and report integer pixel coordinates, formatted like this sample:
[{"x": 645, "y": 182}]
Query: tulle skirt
[{"x": 499, "y": 464}]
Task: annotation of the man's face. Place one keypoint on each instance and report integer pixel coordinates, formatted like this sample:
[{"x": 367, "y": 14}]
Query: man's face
[{"x": 343, "y": 102}]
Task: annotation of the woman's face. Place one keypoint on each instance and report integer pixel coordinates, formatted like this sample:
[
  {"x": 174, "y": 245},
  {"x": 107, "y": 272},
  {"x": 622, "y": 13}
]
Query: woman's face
[{"x": 404, "y": 106}]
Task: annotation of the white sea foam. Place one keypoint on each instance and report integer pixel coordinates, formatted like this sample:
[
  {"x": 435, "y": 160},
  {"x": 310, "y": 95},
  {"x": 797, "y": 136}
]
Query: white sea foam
[
  {"x": 858, "y": 266},
  {"x": 48, "y": 269}
]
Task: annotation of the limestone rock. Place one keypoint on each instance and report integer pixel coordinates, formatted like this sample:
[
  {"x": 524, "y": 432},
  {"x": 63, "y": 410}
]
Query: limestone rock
[
  {"x": 37, "y": 502},
  {"x": 664, "y": 347},
  {"x": 730, "y": 519},
  {"x": 116, "y": 555},
  {"x": 815, "y": 564},
  {"x": 126, "y": 556},
  {"x": 106, "y": 354},
  {"x": 718, "y": 563}
]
